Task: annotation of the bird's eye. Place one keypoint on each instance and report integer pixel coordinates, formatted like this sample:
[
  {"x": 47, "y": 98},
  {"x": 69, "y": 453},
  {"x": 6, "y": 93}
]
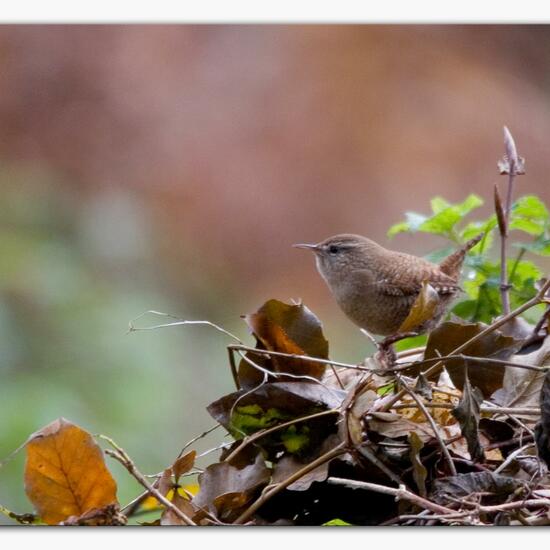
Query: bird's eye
[{"x": 333, "y": 249}]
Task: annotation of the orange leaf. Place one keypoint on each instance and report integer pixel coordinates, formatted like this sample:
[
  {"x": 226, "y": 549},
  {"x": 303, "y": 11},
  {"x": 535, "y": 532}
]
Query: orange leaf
[{"x": 65, "y": 474}]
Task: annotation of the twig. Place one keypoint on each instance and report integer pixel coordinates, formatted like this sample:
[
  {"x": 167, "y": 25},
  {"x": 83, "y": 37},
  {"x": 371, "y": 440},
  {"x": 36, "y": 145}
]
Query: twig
[
  {"x": 121, "y": 455},
  {"x": 471, "y": 358},
  {"x": 179, "y": 322},
  {"x": 432, "y": 423},
  {"x": 511, "y": 457},
  {"x": 533, "y": 503},
  {"x": 270, "y": 492},
  {"x": 258, "y": 435},
  {"x": 400, "y": 494},
  {"x": 266, "y": 353},
  {"x": 530, "y": 411},
  {"x": 513, "y": 169}
]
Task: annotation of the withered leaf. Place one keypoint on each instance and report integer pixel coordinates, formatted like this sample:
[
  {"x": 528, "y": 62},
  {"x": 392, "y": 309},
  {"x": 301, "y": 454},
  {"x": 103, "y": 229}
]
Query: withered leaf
[
  {"x": 423, "y": 388},
  {"x": 461, "y": 485},
  {"x": 222, "y": 479},
  {"x": 294, "y": 399},
  {"x": 108, "y": 515},
  {"x": 521, "y": 387},
  {"x": 542, "y": 429},
  {"x": 286, "y": 328},
  {"x": 419, "y": 470},
  {"x": 289, "y": 465},
  {"x": 467, "y": 412},
  {"x": 65, "y": 474},
  {"x": 168, "y": 517},
  {"x": 450, "y": 335},
  {"x": 183, "y": 464},
  {"x": 165, "y": 482},
  {"x": 422, "y": 310},
  {"x": 394, "y": 425}
]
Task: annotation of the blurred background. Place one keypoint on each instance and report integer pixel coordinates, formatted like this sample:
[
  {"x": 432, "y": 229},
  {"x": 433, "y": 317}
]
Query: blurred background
[{"x": 172, "y": 168}]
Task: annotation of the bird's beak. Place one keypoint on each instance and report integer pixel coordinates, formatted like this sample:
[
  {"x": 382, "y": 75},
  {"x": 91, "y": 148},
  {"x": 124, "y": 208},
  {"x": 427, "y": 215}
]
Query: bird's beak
[{"x": 313, "y": 247}]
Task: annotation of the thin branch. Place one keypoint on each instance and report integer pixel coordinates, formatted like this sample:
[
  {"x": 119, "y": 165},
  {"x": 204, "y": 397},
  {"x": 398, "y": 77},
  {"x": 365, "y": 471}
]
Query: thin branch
[
  {"x": 270, "y": 492},
  {"x": 268, "y": 354},
  {"x": 471, "y": 358},
  {"x": 432, "y": 423},
  {"x": 120, "y": 454},
  {"x": 179, "y": 322},
  {"x": 529, "y": 411},
  {"x": 400, "y": 494}
]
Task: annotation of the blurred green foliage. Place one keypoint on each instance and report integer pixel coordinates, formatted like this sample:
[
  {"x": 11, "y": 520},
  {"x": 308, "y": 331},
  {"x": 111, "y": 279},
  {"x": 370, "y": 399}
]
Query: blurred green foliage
[{"x": 73, "y": 271}]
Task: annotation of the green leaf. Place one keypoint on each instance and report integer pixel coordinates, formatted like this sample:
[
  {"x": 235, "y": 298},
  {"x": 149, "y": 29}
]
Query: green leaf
[
  {"x": 541, "y": 246},
  {"x": 529, "y": 214},
  {"x": 409, "y": 343},
  {"x": 412, "y": 223},
  {"x": 400, "y": 227},
  {"x": 337, "y": 522},
  {"x": 295, "y": 439},
  {"x": 471, "y": 203},
  {"x": 442, "y": 223},
  {"x": 438, "y": 204},
  {"x": 475, "y": 228},
  {"x": 530, "y": 206},
  {"x": 527, "y": 226}
]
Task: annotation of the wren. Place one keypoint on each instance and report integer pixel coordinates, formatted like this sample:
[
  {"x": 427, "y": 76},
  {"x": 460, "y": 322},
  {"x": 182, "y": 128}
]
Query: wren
[{"x": 376, "y": 287}]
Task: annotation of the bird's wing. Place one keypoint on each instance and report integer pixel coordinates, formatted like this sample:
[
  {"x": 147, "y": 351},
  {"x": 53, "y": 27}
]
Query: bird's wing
[{"x": 410, "y": 285}]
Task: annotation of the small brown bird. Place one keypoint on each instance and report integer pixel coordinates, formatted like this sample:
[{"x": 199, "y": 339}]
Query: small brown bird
[{"x": 376, "y": 287}]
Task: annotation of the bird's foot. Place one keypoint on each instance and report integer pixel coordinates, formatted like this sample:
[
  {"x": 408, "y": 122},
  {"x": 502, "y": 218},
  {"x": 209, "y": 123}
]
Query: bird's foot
[{"x": 386, "y": 353}]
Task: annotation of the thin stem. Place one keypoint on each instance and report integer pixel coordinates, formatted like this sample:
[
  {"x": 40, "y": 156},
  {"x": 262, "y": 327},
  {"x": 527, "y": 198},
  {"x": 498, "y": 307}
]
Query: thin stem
[
  {"x": 399, "y": 494},
  {"x": 472, "y": 358},
  {"x": 267, "y": 353}
]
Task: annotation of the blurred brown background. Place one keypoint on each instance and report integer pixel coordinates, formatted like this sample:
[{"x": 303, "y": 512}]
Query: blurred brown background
[{"x": 171, "y": 168}]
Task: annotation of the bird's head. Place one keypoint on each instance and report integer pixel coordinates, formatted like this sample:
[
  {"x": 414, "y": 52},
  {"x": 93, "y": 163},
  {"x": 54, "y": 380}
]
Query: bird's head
[{"x": 339, "y": 254}]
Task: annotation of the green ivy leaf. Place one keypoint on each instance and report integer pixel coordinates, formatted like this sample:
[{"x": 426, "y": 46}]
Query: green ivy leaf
[{"x": 541, "y": 246}]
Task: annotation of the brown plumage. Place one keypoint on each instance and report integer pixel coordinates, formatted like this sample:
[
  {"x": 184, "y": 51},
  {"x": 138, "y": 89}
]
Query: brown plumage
[{"x": 376, "y": 287}]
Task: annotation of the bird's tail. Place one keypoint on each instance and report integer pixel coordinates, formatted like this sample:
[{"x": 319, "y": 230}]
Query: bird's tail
[{"x": 452, "y": 264}]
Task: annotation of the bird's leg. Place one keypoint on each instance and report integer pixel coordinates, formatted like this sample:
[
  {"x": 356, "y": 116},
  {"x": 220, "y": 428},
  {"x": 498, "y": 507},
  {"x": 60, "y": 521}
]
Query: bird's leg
[{"x": 386, "y": 350}]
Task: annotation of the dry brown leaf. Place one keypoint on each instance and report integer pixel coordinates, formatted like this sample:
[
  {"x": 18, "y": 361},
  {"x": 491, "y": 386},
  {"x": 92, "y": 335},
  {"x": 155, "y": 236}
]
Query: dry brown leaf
[
  {"x": 168, "y": 517},
  {"x": 65, "y": 474},
  {"x": 422, "y": 310},
  {"x": 183, "y": 464}
]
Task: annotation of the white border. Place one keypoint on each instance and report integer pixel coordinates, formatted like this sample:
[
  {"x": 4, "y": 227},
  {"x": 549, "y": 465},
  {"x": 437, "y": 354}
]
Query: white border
[{"x": 279, "y": 11}]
